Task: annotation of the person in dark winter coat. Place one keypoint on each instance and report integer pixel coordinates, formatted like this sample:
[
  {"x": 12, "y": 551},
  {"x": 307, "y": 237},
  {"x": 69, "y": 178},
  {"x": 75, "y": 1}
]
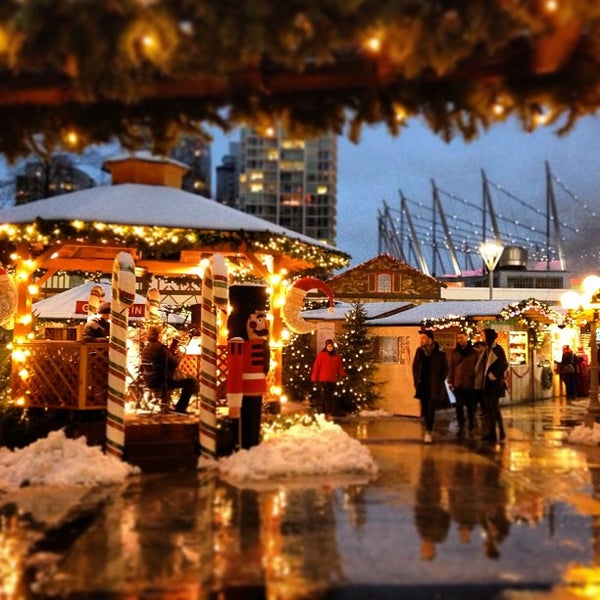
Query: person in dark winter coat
[
  {"x": 158, "y": 370},
  {"x": 461, "y": 380},
  {"x": 97, "y": 329},
  {"x": 489, "y": 376},
  {"x": 430, "y": 368},
  {"x": 327, "y": 370},
  {"x": 568, "y": 371}
]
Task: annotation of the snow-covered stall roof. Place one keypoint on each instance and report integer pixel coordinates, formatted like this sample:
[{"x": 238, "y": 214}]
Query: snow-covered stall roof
[
  {"x": 341, "y": 309},
  {"x": 72, "y": 304},
  {"x": 440, "y": 310},
  {"x": 151, "y": 205}
]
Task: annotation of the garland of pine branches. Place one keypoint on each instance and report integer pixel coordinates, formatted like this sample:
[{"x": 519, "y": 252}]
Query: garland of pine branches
[{"x": 109, "y": 69}]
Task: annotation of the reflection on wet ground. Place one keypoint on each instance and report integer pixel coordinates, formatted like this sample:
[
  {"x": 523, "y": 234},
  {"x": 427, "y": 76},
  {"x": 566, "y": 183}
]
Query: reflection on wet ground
[{"x": 458, "y": 519}]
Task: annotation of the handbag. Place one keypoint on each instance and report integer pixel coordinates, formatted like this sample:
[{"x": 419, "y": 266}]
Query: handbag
[{"x": 568, "y": 369}]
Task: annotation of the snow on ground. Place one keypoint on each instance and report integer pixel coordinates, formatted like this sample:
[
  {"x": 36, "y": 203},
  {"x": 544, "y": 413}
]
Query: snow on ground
[
  {"x": 60, "y": 461},
  {"x": 314, "y": 447},
  {"x": 375, "y": 413},
  {"x": 311, "y": 447},
  {"x": 585, "y": 435}
]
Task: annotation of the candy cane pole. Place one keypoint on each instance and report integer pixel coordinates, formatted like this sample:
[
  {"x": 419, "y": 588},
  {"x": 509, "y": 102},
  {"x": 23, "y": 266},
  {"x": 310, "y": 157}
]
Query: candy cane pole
[
  {"x": 123, "y": 296},
  {"x": 152, "y": 310},
  {"x": 96, "y": 297},
  {"x": 214, "y": 296}
]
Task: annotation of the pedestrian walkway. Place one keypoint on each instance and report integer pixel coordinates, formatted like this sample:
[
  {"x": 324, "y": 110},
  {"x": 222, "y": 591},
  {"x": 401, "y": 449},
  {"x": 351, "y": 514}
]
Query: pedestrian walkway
[{"x": 455, "y": 519}]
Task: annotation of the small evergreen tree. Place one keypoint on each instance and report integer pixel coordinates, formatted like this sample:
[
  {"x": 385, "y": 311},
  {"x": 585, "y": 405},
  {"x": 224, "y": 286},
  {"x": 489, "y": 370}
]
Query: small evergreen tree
[
  {"x": 298, "y": 359},
  {"x": 358, "y": 390}
]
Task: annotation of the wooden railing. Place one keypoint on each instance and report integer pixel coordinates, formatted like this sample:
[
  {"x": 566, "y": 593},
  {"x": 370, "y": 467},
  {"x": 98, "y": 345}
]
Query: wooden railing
[
  {"x": 69, "y": 375},
  {"x": 74, "y": 375}
]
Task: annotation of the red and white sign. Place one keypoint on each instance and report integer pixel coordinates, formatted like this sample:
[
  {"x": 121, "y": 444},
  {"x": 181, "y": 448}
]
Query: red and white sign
[{"x": 135, "y": 310}]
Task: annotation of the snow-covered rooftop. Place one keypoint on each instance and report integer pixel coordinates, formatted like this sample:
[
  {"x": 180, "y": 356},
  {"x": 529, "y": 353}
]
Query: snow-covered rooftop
[
  {"x": 341, "y": 309},
  {"x": 143, "y": 155},
  {"x": 153, "y": 205},
  {"x": 439, "y": 310}
]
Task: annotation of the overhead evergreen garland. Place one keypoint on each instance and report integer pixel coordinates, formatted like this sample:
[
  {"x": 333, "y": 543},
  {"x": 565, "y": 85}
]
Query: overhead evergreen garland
[{"x": 137, "y": 68}]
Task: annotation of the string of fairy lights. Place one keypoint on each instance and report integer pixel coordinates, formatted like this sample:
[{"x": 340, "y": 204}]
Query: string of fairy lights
[
  {"x": 155, "y": 70},
  {"x": 521, "y": 223}
]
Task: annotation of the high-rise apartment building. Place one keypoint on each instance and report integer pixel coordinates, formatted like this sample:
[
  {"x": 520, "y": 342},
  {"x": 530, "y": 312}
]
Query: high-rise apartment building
[
  {"x": 290, "y": 181},
  {"x": 228, "y": 177},
  {"x": 194, "y": 152}
]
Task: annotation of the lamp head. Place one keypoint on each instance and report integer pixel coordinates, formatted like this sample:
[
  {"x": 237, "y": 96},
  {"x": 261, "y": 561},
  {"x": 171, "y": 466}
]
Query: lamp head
[{"x": 491, "y": 252}]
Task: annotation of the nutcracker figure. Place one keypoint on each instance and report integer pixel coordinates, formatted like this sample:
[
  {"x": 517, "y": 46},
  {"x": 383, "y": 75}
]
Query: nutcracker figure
[{"x": 247, "y": 359}]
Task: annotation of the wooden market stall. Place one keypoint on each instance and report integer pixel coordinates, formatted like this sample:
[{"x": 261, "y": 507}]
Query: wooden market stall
[{"x": 166, "y": 231}]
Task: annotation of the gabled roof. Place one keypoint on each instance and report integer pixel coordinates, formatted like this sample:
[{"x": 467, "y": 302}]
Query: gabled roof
[
  {"x": 440, "y": 310},
  {"x": 391, "y": 262},
  {"x": 148, "y": 205}
]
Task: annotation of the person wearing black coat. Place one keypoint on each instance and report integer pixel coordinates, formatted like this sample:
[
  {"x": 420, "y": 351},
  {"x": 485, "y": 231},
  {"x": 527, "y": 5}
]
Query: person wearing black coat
[
  {"x": 490, "y": 374},
  {"x": 430, "y": 368},
  {"x": 461, "y": 380},
  {"x": 158, "y": 370},
  {"x": 97, "y": 329}
]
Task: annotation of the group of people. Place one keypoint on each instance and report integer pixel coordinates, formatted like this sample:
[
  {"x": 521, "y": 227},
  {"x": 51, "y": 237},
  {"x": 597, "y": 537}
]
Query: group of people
[
  {"x": 474, "y": 374},
  {"x": 574, "y": 372}
]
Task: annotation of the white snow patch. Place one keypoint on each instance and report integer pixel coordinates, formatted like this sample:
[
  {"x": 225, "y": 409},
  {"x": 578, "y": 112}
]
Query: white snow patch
[
  {"x": 60, "y": 461},
  {"x": 375, "y": 413},
  {"x": 585, "y": 435},
  {"x": 318, "y": 448}
]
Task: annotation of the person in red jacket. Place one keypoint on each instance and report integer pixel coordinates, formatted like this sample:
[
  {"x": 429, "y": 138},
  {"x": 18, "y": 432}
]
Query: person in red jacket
[{"x": 326, "y": 372}]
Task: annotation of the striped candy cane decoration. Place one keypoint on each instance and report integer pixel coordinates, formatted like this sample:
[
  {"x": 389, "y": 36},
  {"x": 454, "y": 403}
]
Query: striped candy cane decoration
[
  {"x": 96, "y": 297},
  {"x": 152, "y": 312},
  {"x": 123, "y": 296},
  {"x": 214, "y": 296}
]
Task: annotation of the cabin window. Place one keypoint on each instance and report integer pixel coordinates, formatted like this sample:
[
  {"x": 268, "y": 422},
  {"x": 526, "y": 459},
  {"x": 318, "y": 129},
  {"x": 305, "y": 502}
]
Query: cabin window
[
  {"x": 388, "y": 349},
  {"x": 384, "y": 283}
]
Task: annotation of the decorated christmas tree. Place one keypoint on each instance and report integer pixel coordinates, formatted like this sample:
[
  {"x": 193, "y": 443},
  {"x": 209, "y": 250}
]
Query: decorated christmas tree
[
  {"x": 298, "y": 359},
  {"x": 358, "y": 390}
]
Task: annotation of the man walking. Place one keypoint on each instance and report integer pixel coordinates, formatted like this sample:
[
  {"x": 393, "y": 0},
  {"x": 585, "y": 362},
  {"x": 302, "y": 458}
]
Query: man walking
[
  {"x": 489, "y": 376},
  {"x": 461, "y": 380}
]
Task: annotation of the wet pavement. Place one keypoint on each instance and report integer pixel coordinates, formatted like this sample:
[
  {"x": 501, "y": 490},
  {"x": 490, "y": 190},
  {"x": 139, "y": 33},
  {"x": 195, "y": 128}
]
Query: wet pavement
[{"x": 455, "y": 519}]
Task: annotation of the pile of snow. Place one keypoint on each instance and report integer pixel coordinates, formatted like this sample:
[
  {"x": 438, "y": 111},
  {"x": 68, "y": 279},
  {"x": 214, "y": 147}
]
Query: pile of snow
[
  {"x": 59, "y": 461},
  {"x": 378, "y": 413},
  {"x": 317, "y": 448},
  {"x": 585, "y": 435}
]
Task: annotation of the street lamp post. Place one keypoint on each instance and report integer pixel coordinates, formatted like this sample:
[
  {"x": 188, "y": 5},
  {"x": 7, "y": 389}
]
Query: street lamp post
[
  {"x": 586, "y": 304},
  {"x": 491, "y": 252}
]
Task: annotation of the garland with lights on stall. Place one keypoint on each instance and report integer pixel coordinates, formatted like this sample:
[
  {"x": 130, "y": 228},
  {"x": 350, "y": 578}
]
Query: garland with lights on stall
[
  {"x": 165, "y": 242},
  {"x": 517, "y": 313},
  {"x": 466, "y": 324},
  {"x": 77, "y": 73}
]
